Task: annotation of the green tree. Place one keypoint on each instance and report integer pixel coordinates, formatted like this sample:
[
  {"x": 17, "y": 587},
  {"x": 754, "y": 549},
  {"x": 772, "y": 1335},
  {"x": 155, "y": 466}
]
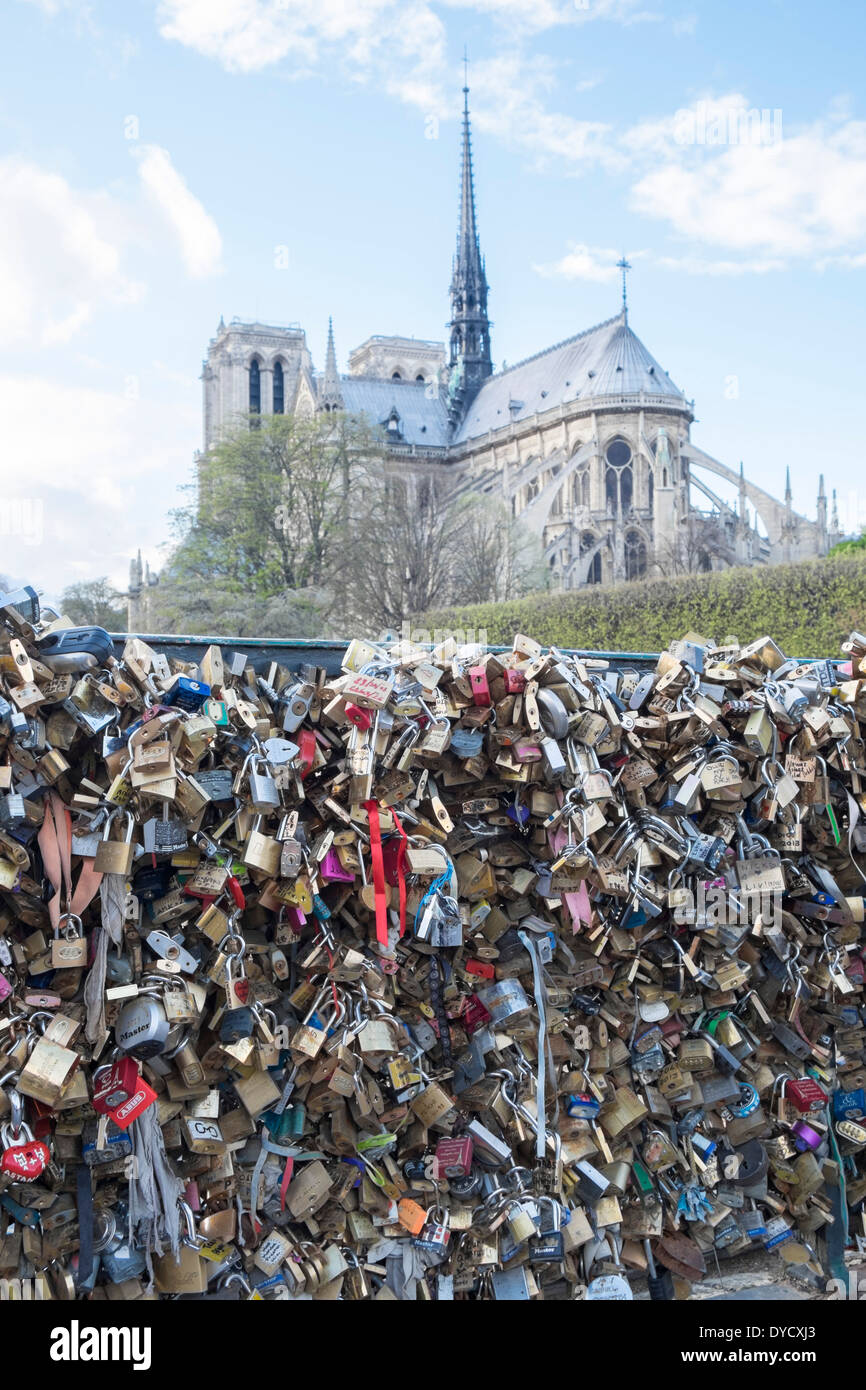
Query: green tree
[
  {"x": 95, "y": 601},
  {"x": 854, "y": 547},
  {"x": 269, "y": 505},
  {"x": 260, "y": 539}
]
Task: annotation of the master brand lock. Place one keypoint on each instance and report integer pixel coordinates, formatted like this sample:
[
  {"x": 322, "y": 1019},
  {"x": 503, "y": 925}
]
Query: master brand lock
[{"x": 142, "y": 1028}]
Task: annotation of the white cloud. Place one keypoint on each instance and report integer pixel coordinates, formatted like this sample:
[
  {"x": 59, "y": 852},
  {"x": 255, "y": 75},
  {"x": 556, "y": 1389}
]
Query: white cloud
[
  {"x": 60, "y": 255},
  {"x": 196, "y": 232},
  {"x": 743, "y": 186},
  {"x": 594, "y": 263},
  {"x": 75, "y": 505},
  {"x": 722, "y": 175},
  {"x": 248, "y": 35},
  {"x": 598, "y": 264},
  {"x": 65, "y": 251},
  {"x": 846, "y": 262}
]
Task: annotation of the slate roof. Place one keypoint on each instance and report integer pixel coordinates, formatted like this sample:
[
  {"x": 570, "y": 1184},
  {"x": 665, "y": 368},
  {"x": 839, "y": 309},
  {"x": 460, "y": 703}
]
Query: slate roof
[
  {"x": 608, "y": 360},
  {"x": 423, "y": 421}
]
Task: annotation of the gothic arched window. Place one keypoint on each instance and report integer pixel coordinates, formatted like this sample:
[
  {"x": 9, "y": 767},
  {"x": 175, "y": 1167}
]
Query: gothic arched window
[
  {"x": 635, "y": 555},
  {"x": 625, "y": 488},
  {"x": 255, "y": 387},
  {"x": 419, "y": 378},
  {"x": 395, "y": 376},
  {"x": 279, "y": 389},
  {"x": 618, "y": 483}
]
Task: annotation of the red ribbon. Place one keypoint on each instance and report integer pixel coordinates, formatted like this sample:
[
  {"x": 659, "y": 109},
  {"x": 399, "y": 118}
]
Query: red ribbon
[
  {"x": 372, "y": 809},
  {"x": 401, "y": 869},
  {"x": 287, "y": 1178}
]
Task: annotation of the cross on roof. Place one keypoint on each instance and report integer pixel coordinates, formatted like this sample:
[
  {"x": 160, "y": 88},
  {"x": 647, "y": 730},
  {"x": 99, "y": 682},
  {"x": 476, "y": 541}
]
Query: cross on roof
[{"x": 623, "y": 265}]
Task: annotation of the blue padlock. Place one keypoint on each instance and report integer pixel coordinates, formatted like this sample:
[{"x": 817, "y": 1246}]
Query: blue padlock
[
  {"x": 186, "y": 694},
  {"x": 465, "y": 743},
  {"x": 583, "y": 1106},
  {"x": 849, "y": 1105}
]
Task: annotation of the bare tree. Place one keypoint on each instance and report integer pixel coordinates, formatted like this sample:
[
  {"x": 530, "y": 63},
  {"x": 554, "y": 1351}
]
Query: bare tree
[
  {"x": 499, "y": 557},
  {"x": 699, "y": 545}
]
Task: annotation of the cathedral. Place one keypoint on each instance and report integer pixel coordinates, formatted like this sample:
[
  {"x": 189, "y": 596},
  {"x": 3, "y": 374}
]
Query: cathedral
[{"x": 587, "y": 442}]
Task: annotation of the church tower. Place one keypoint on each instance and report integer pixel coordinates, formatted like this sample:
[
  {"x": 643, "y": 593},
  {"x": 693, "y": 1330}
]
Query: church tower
[
  {"x": 469, "y": 363},
  {"x": 330, "y": 396}
]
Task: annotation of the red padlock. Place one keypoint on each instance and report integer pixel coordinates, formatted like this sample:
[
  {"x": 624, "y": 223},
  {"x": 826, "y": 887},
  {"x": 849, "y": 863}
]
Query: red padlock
[
  {"x": 130, "y": 1109},
  {"x": 24, "y": 1157},
  {"x": 361, "y": 718},
  {"x": 120, "y": 1093},
  {"x": 515, "y": 681},
  {"x": 482, "y": 968},
  {"x": 480, "y": 688},
  {"x": 453, "y": 1157},
  {"x": 114, "y": 1084},
  {"x": 805, "y": 1094},
  {"x": 307, "y": 751},
  {"x": 474, "y": 1016}
]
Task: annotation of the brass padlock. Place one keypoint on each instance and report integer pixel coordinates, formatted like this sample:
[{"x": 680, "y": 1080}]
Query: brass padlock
[
  {"x": 116, "y": 856},
  {"x": 69, "y": 947},
  {"x": 262, "y": 851}
]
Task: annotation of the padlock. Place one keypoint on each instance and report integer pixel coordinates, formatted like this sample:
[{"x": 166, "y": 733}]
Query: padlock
[
  {"x": 263, "y": 793},
  {"x": 69, "y": 947},
  {"x": 23, "y": 1157},
  {"x": 142, "y": 1028},
  {"x": 309, "y": 1039},
  {"x": 262, "y": 851},
  {"x": 112, "y": 856}
]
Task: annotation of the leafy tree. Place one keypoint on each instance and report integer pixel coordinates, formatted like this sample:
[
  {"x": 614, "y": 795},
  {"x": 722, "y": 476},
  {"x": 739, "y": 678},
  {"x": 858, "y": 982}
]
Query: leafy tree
[
  {"x": 305, "y": 526},
  {"x": 854, "y": 547},
  {"x": 269, "y": 505},
  {"x": 95, "y": 601}
]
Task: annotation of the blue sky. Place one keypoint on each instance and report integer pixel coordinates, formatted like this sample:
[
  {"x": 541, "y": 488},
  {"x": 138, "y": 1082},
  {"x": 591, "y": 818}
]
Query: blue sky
[{"x": 155, "y": 155}]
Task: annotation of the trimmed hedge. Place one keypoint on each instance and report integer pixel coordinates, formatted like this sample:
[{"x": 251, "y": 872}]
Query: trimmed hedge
[{"x": 808, "y": 608}]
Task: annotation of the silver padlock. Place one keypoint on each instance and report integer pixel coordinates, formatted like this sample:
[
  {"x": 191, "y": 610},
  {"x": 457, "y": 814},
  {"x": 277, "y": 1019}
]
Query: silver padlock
[
  {"x": 297, "y": 699},
  {"x": 142, "y": 1028},
  {"x": 264, "y": 795}
]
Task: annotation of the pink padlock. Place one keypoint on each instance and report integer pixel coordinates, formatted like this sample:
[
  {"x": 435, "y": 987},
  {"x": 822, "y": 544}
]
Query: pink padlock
[
  {"x": 332, "y": 870},
  {"x": 480, "y": 688},
  {"x": 5, "y": 988},
  {"x": 296, "y": 917}
]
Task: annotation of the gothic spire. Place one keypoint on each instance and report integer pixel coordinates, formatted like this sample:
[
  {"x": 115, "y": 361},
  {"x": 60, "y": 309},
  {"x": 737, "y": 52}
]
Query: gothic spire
[
  {"x": 330, "y": 395},
  {"x": 470, "y": 328}
]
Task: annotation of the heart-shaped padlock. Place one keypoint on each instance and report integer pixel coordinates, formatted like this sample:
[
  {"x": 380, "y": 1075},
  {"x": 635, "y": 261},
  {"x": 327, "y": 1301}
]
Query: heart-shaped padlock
[{"x": 24, "y": 1157}]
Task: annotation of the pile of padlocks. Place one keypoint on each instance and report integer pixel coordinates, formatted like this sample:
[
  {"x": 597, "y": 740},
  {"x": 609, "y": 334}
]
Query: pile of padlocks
[{"x": 455, "y": 975}]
